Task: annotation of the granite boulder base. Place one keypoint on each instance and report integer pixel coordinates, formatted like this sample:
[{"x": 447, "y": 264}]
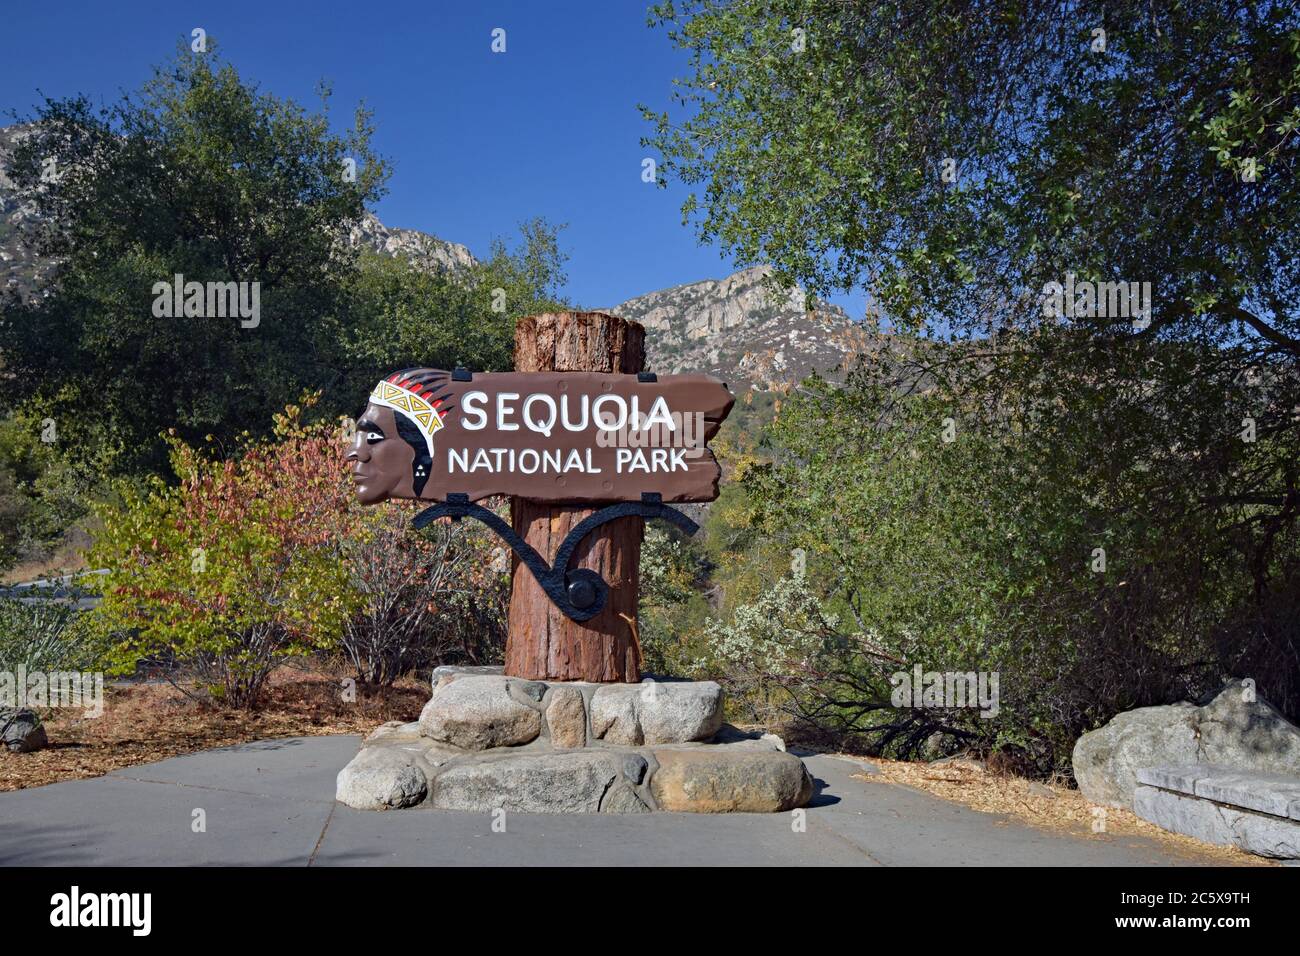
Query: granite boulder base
[{"x": 486, "y": 741}]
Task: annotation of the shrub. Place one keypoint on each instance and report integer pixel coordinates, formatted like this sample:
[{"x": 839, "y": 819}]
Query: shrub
[
  {"x": 267, "y": 556},
  {"x": 966, "y": 538},
  {"x": 41, "y": 493},
  {"x": 431, "y": 597},
  {"x": 43, "y": 636},
  {"x": 673, "y": 603},
  {"x": 238, "y": 568}
]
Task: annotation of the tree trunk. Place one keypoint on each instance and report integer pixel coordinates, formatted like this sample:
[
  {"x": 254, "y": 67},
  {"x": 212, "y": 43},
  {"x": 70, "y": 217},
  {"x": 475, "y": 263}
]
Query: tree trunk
[{"x": 542, "y": 643}]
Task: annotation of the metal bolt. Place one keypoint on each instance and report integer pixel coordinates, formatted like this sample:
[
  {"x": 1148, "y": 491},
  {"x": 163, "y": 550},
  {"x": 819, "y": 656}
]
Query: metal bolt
[{"x": 582, "y": 593}]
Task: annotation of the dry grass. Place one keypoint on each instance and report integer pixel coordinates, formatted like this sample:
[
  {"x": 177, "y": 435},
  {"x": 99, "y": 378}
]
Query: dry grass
[
  {"x": 1049, "y": 807},
  {"x": 144, "y": 723},
  {"x": 64, "y": 558}
]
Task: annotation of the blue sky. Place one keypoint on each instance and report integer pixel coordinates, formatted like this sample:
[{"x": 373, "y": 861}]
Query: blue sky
[{"x": 479, "y": 141}]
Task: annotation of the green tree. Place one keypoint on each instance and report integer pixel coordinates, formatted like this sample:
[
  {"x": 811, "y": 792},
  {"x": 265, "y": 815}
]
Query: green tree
[
  {"x": 202, "y": 175},
  {"x": 950, "y": 157},
  {"x": 402, "y": 316},
  {"x": 954, "y": 162},
  {"x": 923, "y": 531}
]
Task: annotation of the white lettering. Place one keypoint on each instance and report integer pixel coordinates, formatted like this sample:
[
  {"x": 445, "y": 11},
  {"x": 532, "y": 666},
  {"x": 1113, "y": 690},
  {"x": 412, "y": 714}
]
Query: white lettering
[
  {"x": 472, "y": 404},
  {"x": 543, "y": 428},
  {"x": 607, "y": 425},
  {"x": 504, "y": 410}
]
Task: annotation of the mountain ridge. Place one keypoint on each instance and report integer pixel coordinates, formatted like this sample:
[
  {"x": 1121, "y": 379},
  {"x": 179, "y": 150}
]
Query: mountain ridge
[
  {"x": 740, "y": 327},
  {"x": 744, "y": 329}
]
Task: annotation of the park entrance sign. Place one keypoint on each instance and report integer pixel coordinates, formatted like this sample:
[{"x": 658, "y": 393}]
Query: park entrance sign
[
  {"x": 546, "y": 436},
  {"x": 586, "y": 444}
]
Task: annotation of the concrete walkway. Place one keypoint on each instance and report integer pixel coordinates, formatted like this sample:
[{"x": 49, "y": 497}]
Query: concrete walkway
[{"x": 272, "y": 803}]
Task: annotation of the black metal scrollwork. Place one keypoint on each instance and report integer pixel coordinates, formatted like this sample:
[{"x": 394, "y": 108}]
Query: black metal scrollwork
[{"x": 579, "y": 593}]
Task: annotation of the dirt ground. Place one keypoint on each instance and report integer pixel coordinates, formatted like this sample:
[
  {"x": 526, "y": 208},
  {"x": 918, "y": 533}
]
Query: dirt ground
[
  {"x": 147, "y": 722},
  {"x": 66, "y": 558},
  {"x": 1047, "y": 806}
]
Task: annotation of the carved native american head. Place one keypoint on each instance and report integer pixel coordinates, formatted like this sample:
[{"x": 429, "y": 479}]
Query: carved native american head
[{"x": 392, "y": 452}]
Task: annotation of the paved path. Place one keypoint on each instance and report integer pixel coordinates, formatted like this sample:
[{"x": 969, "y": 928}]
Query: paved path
[
  {"x": 69, "y": 587},
  {"x": 272, "y": 803}
]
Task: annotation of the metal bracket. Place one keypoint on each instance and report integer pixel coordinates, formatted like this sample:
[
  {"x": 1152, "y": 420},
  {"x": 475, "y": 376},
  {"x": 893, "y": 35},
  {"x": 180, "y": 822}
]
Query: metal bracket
[{"x": 580, "y": 593}]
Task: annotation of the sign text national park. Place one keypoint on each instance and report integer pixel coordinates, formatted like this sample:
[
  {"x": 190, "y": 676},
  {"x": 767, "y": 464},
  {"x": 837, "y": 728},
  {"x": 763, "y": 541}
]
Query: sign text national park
[{"x": 547, "y": 436}]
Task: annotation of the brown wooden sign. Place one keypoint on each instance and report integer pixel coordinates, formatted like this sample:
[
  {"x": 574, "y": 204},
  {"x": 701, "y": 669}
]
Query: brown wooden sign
[{"x": 545, "y": 436}]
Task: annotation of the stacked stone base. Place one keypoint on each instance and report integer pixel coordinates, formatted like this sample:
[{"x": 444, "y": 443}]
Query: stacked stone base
[{"x": 486, "y": 742}]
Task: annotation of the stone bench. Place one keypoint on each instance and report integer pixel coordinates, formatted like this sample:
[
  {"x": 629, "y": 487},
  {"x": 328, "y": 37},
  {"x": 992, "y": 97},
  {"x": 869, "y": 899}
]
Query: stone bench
[{"x": 1258, "y": 812}]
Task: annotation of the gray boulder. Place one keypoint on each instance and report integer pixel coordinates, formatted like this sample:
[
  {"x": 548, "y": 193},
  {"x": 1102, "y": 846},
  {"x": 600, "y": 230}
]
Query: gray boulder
[
  {"x": 655, "y": 712},
  {"x": 736, "y": 739},
  {"x": 614, "y": 716},
  {"x": 446, "y": 673},
  {"x": 1248, "y": 735},
  {"x": 486, "y": 741},
  {"x": 1106, "y": 760},
  {"x": 566, "y": 718},
  {"x": 572, "y": 782},
  {"x": 677, "y": 712},
  {"x": 1257, "y": 833},
  {"x": 464, "y": 670},
  {"x": 623, "y": 799},
  {"x": 727, "y": 780},
  {"x": 381, "y": 778},
  {"x": 1231, "y": 730},
  {"x": 21, "y": 730},
  {"x": 395, "y": 730},
  {"x": 477, "y": 712}
]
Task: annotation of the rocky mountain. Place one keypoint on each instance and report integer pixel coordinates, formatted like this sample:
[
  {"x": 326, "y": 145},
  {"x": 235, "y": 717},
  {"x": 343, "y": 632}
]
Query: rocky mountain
[
  {"x": 424, "y": 250},
  {"x": 743, "y": 330},
  {"x": 19, "y": 265},
  {"x": 737, "y": 328}
]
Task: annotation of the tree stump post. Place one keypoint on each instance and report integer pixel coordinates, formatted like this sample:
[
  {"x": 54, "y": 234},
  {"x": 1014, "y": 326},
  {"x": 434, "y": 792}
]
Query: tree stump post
[{"x": 542, "y": 643}]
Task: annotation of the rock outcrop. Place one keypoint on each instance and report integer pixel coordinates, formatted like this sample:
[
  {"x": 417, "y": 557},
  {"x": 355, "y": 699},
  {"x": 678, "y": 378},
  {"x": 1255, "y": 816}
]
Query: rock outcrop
[
  {"x": 21, "y": 730},
  {"x": 1234, "y": 729},
  {"x": 20, "y": 267},
  {"x": 743, "y": 330},
  {"x": 421, "y": 249}
]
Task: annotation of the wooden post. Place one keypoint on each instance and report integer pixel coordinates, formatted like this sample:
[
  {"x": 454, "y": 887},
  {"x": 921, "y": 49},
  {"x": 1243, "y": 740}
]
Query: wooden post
[{"x": 542, "y": 643}]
